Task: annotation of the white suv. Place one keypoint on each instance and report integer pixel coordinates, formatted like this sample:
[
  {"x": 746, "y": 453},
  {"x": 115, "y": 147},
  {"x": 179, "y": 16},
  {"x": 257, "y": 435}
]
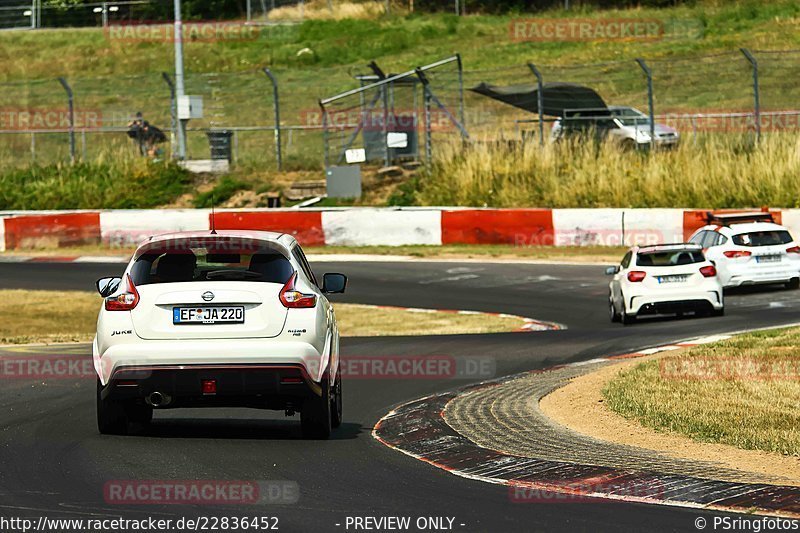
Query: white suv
[
  {"x": 228, "y": 319},
  {"x": 626, "y": 125},
  {"x": 663, "y": 279},
  {"x": 750, "y": 249}
]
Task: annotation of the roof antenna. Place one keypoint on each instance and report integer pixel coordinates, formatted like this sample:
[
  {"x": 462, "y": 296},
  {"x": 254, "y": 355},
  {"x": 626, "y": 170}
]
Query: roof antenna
[{"x": 213, "y": 218}]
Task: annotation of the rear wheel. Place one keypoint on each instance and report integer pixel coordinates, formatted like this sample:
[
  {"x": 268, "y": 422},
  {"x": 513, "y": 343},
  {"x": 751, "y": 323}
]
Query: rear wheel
[
  {"x": 112, "y": 418},
  {"x": 315, "y": 416},
  {"x": 628, "y": 319},
  {"x": 792, "y": 284},
  {"x": 718, "y": 312},
  {"x": 336, "y": 403},
  {"x": 612, "y": 310}
]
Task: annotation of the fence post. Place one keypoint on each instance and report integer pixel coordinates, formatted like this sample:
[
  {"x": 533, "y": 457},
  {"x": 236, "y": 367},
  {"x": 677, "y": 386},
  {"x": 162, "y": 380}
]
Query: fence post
[
  {"x": 540, "y": 99},
  {"x": 173, "y": 113},
  {"x": 277, "y": 107},
  {"x": 68, "y": 89},
  {"x": 650, "y": 110},
  {"x": 461, "y": 105},
  {"x": 756, "y": 95},
  {"x": 325, "y": 133},
  {"x": 428, "y": 132}
]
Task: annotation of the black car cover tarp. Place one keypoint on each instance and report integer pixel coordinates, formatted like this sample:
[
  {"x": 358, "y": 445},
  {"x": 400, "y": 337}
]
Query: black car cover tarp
[{"x": 558, "y": 97}]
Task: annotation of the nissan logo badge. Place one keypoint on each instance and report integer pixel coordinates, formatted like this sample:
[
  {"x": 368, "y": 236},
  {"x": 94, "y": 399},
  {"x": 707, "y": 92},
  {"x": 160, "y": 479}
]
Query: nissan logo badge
[{"x": 208, "y": 296}]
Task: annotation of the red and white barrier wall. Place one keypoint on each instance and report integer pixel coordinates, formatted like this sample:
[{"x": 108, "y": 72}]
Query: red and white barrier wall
[{"x": 369, "y": 226}]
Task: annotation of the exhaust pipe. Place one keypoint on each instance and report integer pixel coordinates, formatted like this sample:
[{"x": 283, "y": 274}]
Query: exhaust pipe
[{"x": 157, "y": 399}]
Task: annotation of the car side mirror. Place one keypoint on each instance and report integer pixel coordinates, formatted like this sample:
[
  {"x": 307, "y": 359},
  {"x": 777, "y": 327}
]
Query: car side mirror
[
  {"x": 610, "y": 271},
  {"x": 334, "y": 283},
  {"x": 108, "y": 286}
]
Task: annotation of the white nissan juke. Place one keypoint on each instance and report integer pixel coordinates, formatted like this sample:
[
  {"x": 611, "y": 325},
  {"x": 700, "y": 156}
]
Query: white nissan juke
[
  {"x": 228, "y": 319},
  {"x": 663, "y": 279}
]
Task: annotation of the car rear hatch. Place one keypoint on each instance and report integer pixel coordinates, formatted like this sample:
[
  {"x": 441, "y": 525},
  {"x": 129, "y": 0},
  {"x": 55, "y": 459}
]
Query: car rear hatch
[
  {"x": 671, "y": 268},
  {"x": 204, "y": 290},
  {"x": 763, "y": 250}
]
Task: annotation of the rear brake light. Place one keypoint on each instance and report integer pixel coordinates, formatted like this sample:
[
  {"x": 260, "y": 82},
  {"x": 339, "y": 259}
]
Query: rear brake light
[
  {"x": 294, "y": 299},
  {"x": 126, "y": 300},
  {"x": 708, "y": 271},
  {"x": 732, "y": 254},
  {"x": 636, "y": 275},
  {"x": 793, "y": 250}
]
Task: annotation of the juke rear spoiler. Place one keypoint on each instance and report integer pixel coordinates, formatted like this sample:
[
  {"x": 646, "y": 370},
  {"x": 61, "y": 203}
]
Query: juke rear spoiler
[{"x": 669, "y": 247}]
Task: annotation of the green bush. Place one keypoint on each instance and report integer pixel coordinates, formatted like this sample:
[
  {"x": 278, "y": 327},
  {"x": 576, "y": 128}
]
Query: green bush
[{"x": 122, "y": 184}]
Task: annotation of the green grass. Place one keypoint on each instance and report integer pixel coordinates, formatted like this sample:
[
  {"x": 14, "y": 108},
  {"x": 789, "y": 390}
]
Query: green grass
[
  {"x": 742, "y": 392},
  {"x": 122, "y": 184}
]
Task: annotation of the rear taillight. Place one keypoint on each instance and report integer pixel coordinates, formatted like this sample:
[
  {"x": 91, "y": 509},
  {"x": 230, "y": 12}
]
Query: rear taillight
[
  {"x": 793, "y": 250},
  {"x": 126, "y": 300},
  {"x": 733, "y": 254},
  {"x": 636, "y": 275},
  {"x": 708, "y": 271},
  {"x": 294, "y": 299}
]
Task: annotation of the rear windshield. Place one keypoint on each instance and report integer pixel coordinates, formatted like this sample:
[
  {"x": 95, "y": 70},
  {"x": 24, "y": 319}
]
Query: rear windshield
[
  {"x": 210, "y": 264},
  {"x": 762, "y": 238},
  {"x": 673, "y": 258}
]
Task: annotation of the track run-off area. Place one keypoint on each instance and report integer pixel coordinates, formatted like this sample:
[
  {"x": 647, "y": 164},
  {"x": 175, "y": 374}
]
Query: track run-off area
[{"x": 56, "y": 464}]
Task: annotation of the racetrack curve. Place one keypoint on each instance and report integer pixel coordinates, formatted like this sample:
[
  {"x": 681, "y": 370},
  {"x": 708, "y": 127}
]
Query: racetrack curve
[{"x": 56, "y": 464}]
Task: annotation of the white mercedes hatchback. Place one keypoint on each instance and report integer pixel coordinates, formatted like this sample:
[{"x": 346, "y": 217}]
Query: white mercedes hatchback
[
  {"x": 227, "y": 319},
  {"x": 663, "y": 279}
]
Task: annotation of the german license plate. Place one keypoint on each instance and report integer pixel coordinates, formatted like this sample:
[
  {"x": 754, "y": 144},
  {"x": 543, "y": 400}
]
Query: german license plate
[
  {"x": 208, "y": 315},
  {"x": 768, "y": 259},
  {"x": 672, "y": 279}
]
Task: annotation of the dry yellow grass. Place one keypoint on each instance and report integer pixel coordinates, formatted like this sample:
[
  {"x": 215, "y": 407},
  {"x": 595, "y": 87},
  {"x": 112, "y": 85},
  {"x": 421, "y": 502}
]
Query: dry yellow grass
[
  {"x": 719, "y": 170},
  {"x": 321, "y": 10},
  {"x": 367, "y": 321},
  {"x": 41, "y": 316},
  {"x": 744, "y": 392}
]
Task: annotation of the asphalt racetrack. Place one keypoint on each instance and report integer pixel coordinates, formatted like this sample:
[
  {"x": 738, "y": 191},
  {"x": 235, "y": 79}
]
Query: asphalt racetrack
[{"x": 56, "y": 464}]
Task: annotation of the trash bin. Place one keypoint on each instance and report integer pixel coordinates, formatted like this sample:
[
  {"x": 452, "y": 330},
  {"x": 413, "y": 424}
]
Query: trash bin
[{"x": 219, "y": 141}]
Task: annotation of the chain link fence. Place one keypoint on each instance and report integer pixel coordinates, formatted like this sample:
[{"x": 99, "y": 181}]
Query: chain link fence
[{"x": 738, "y": 93}]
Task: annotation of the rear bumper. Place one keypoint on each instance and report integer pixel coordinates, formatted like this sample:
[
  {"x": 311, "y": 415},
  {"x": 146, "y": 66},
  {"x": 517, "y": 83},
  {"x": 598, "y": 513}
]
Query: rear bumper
[
  {"x": 179, "y": 354},
  {"x": 675, "y": 303},
  {"x": 244, "y": 385},
  {"x": 736, "y": 277}
]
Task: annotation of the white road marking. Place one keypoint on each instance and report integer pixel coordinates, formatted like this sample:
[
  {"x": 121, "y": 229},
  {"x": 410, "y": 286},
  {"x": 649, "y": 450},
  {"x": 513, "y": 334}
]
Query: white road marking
[{"x": 451, "y": 278}]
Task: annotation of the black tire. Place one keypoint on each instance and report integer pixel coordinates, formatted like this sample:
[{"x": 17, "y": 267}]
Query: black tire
[
  {"x": 627, "y": 319},
  {"x": 315, "y": 416},
  {"x": 336, "y": 403},
  {"x": 718, "y": 312},
  {"x": 112, "y": 418},
  {"x": 612, "y": 311},
  {"x": 792, "y": 284}
]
